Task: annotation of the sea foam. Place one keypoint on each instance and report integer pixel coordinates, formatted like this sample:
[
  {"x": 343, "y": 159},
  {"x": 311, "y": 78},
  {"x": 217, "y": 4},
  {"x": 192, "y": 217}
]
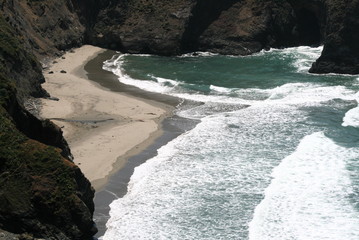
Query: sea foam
[
  {"x": 308, "y": 197},
  {"x": 351, "y": 118},
  {"x": 214, "y": 180}
]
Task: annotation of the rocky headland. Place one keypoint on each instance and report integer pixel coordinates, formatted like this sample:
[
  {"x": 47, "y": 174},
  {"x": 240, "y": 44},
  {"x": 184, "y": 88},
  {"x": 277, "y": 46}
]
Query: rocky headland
[
  {"x": 43, "y": 194},
  {"x": 231, "y": 27}
]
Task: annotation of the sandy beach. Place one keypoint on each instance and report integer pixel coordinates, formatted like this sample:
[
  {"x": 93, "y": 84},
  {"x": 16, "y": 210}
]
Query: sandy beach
[{"x": 103, "y": 128}]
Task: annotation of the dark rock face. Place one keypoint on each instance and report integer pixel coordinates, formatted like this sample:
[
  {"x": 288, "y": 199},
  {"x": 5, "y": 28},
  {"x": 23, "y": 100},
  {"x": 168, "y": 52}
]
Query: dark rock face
[
  {"x": 231, "y": 27},
  {"x": 174, "y": 27},
  {"x": 226, "y": 27},
  {"x": 239, "y": 27},
  {"x": 45, "y": 26},
  {"x": 310, "y": 22},
  {"x": 42, "y": 193},
  {"x": 341, "y": 50},
  {"x": 142, "y": 26}
]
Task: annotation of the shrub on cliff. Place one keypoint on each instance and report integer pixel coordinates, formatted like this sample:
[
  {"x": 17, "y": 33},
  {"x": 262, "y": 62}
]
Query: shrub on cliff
[{"x": 42, "y": 193}]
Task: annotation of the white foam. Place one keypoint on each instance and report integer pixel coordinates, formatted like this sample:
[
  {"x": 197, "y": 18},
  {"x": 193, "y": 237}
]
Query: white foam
[
  {"x": 292, "y": 93},
  {"x": 114, "y": 64},
  {"x": 165, "y": 192},
  {"x": 192, "y": 189},
  {"x": 351, "y": 117},
  {"x": 132, "y": 217},
  {"x": 166, "y": 81},
  {"x": 309, "y": 195},
  {"x": 221, "y": 89},
  {"x": 168, "y": 196},
  {"x": 152, "y": 86},
  {"x": 213, "y": 98},
  {"x": 199, "y": 54},
  {"x": 308, "y": 93},
  {"x": 304, "y": 56},
  {"x": 159, "y": 85}
]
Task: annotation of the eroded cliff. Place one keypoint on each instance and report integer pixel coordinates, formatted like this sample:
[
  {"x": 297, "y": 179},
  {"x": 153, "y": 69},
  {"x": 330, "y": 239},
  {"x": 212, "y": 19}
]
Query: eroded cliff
[
  {"x": 341, "y": 50},
  {"x": 231, "y": 27},
  {"x": 42, "y": 193}
]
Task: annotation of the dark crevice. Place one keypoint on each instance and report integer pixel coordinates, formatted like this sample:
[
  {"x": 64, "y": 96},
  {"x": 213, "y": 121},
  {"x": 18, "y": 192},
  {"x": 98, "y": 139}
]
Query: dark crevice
[
  {"x": 203, "y": 14},
  {"x": 307, "y": 31},
  {"x": 310, "y": 22}
]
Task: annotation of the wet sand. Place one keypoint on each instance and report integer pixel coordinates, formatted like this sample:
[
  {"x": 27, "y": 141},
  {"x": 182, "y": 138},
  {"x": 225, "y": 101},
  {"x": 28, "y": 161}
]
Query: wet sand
[
  {"x": 172, "y": 126},
  {"x": 88, "y": 121},
  {"x": 103, "y": 127}
]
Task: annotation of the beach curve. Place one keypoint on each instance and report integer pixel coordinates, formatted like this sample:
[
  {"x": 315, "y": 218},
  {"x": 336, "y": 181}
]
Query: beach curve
[{"x": 103, "y": 128}]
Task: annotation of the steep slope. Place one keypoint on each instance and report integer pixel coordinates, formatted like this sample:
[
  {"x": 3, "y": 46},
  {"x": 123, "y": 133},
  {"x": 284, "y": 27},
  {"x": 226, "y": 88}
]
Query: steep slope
[
  {"x": 42, "y": 193},
  {"x": 142, "y": 26},
  {"x": 227, "y": 27},
  {"x": 239, "y": 27}
]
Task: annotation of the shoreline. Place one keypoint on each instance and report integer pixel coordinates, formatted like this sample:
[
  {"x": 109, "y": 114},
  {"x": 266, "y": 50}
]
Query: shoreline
[
  {"x": 103, "y": 127},
  {"x": 171, "y": 127},
  {"x": 117, "y": 185},
  {"x": 76, "y": 126}
]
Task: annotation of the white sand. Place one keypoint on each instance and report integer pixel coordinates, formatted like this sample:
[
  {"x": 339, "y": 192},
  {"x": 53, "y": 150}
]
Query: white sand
[{"x": 99, "y": 148}]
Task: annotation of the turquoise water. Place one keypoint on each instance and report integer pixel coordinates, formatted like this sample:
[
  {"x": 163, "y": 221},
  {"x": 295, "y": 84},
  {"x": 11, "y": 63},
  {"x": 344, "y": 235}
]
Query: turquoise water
[{"x": 274, "y": 156}]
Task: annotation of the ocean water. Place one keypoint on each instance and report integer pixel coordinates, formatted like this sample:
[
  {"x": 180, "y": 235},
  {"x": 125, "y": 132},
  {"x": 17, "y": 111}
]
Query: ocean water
[{"x": 275, "y": 154}]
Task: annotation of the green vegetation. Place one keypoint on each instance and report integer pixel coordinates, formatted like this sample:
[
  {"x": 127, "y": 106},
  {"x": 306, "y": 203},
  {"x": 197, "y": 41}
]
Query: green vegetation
[
  {"x": 32, "y": 175},
  {"x": 9, "y": 44},
  {"x": 35, "y": 180},
  {"x": 19, "y": 67}
]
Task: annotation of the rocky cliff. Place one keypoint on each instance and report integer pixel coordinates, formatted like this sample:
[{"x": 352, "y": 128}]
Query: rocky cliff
[
  {"x": 42, "y": 193},
  {"x": 231, "y": 27},
  {"x": 341, "y": 50}
]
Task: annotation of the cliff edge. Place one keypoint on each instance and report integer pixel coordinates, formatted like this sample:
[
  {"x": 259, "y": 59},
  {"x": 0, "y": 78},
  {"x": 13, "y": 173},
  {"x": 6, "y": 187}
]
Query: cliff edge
[{"x": 42, "y": 193}]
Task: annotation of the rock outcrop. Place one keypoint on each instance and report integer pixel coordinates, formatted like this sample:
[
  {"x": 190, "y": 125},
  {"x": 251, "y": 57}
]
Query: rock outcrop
[
  {"x": 231, "y": 27},
  {"x": 227, "y": 27},
  {"x": 42, "y": 193},
  {"x": 46, "y": 27},
  {"x": 238, "y": 27},
  {"x": 341, "y": 50},
  {"x": 138, "y": 26}
]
